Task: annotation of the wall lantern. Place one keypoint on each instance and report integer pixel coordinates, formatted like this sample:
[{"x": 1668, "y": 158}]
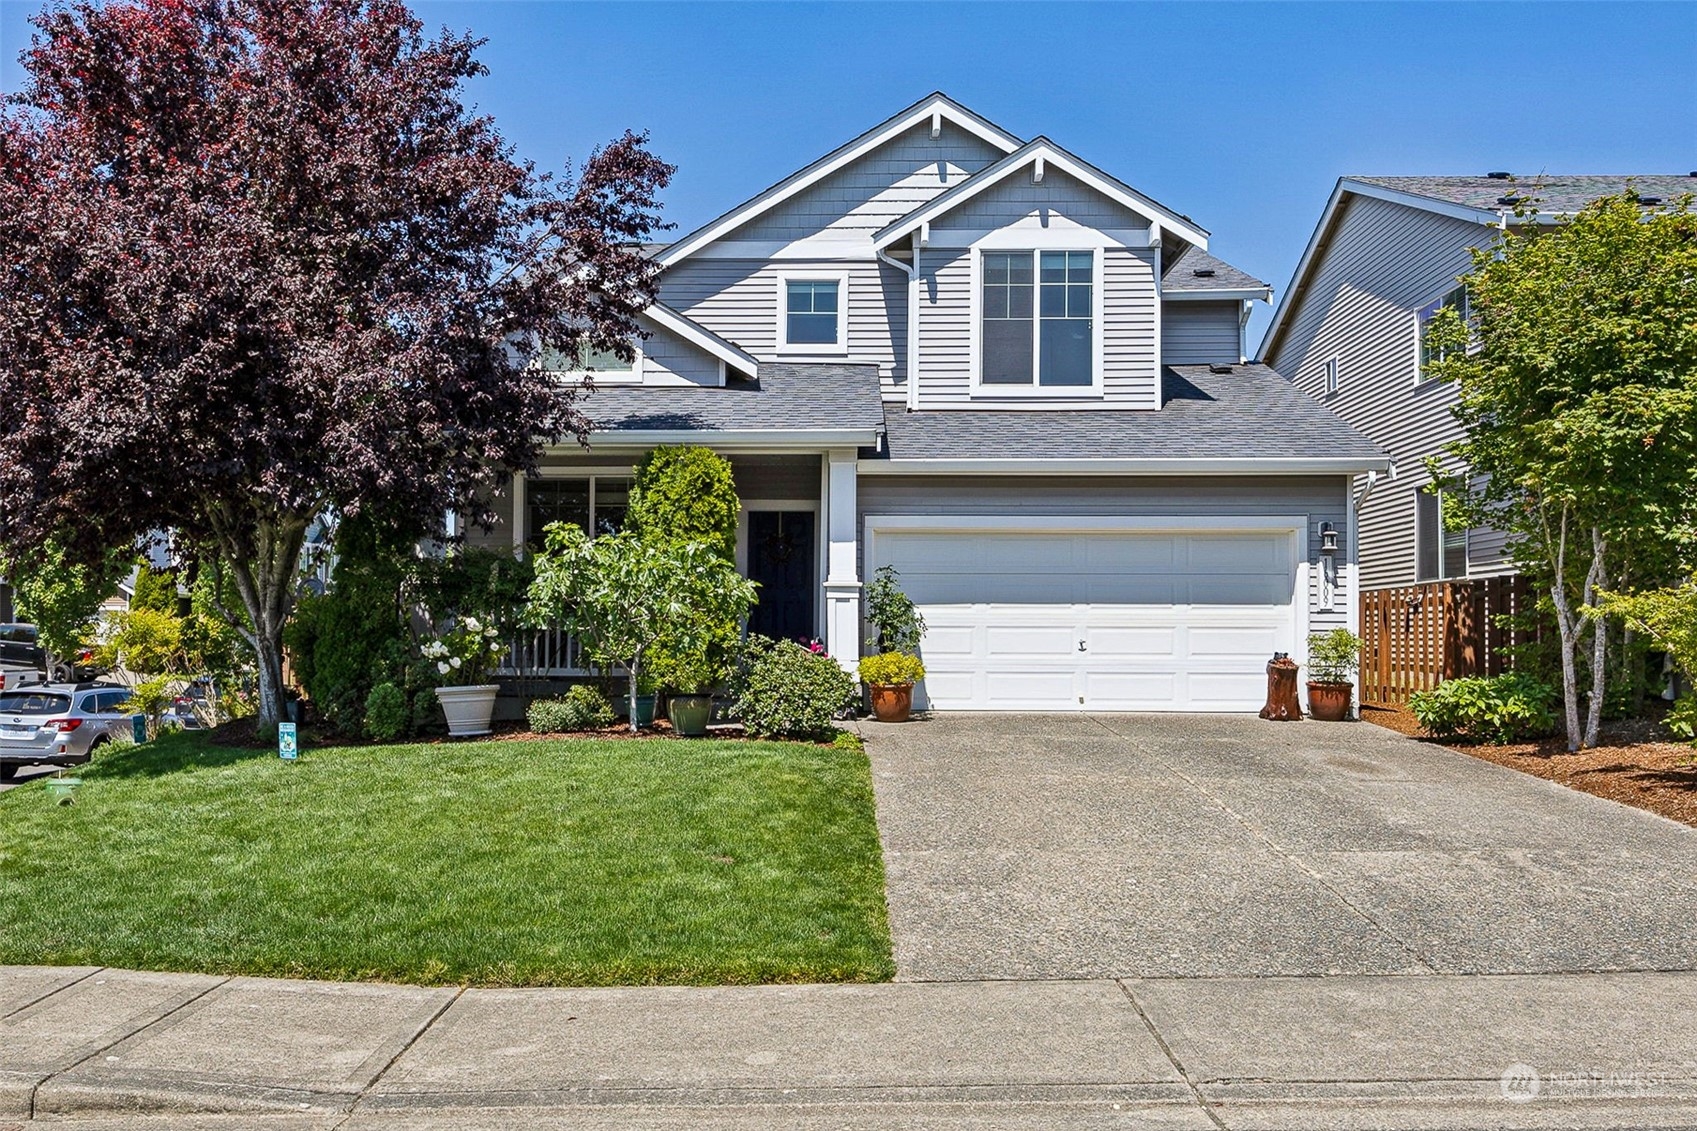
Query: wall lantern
[{"x": 1328, "y": 538}]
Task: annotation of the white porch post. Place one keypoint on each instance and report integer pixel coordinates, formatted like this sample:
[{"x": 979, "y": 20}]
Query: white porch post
[{"x": 842, "y": 574}]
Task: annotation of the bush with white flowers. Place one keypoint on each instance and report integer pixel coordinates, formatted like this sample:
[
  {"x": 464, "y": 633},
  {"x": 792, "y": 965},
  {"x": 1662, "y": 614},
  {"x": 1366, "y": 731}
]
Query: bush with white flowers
[{"x": 465, "y": 654}]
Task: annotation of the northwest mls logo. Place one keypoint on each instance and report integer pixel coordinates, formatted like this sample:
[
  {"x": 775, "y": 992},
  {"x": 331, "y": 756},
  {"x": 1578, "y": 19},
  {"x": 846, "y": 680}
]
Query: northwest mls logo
[{"x": 1521, "y": 1084}]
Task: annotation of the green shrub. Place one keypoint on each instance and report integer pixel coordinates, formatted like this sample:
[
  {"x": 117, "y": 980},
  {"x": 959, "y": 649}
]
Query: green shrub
[
  {"x": 1682, "y": 720},
  {"x": 789, "y": 691},
  {"x": 582, "y": 708},
  {"x": 1333, "y": 656},
  {"x": 386, "y": 713},
  {"x": 686, "y": 494},
  {"x": 891, "y": 667},
  {"x": 897, "y": 625},
  {"x": 849, "y": 741},
  {"x": 1504, "y": 708}
]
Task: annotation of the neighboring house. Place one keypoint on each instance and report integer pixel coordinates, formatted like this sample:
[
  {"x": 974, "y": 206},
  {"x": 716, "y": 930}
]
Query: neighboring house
[
  {"x": 1016, "y": 379},
  {"x": 1386, "y": 255}
]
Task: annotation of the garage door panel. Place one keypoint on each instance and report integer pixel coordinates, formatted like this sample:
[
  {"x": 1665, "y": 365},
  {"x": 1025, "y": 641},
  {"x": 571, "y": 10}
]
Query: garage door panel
[{"x": 1169, "y": 621}]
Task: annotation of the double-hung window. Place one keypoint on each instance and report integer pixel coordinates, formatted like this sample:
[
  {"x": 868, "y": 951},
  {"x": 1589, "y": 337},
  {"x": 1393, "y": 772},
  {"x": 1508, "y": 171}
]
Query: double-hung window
[
  {"x": 595, "y": 503},
  {"x": 1331, "y": 377},
  {"x": 1455, "y": 300},
  {"x": 1439, "y": 554},
  {"x": 811, "y": 313},
  {"x": 1037, "y": 321}
]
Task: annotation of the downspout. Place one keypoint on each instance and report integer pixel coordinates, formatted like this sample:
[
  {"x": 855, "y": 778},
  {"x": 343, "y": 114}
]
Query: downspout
[{"x": 912, "y": 358}]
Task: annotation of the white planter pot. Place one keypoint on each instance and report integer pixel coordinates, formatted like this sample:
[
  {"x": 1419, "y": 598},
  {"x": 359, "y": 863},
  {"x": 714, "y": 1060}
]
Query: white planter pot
[{"x": 468, "y": 709}]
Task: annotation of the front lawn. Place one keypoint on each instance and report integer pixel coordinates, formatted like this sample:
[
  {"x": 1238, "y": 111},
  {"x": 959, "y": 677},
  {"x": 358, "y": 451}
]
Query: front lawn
[{"x": 570, "y": 862}]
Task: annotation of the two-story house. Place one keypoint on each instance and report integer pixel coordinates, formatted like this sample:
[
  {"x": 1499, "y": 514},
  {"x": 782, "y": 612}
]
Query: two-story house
[
  {"x": 1016, "y": 379},
  {"x": 1387, "y": 254}
]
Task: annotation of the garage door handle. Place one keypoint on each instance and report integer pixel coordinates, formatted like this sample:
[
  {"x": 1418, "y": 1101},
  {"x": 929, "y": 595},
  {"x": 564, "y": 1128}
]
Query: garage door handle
[{"x": 1081, "y": 646}]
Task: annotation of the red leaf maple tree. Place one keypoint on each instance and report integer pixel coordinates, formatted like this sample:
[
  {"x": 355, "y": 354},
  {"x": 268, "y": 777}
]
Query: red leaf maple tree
[{"x": 260, "y": 264}]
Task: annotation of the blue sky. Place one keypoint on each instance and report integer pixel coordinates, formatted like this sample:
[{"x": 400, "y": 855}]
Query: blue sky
[{"x": 1240, "y": 115}]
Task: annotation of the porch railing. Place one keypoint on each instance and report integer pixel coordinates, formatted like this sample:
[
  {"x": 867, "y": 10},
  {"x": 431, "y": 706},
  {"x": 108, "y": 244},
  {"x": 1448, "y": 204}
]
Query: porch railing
[{"x": 535, "y": 653}]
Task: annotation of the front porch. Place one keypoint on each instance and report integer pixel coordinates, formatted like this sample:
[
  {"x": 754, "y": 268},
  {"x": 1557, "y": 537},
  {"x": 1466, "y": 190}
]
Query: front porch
[{"x": 796, "y": 538}]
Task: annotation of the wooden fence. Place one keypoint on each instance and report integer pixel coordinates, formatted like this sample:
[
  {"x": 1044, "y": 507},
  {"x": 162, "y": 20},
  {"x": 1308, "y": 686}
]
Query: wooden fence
[{"x": 1413, "y": 637}]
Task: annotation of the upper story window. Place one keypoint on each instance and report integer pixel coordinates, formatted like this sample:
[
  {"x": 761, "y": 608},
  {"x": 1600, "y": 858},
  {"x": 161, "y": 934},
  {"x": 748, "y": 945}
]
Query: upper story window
[
  {"x": 1331, "y": 376},
  {"x": 1439, "y": 554},
  {"x": 602, "y": 364},
  {"x": 812, "y": 313},
  {"x": 1455, "y": 300},
  {"x": 1037, "y": 319},
  {"x": 596, "y": 503}
]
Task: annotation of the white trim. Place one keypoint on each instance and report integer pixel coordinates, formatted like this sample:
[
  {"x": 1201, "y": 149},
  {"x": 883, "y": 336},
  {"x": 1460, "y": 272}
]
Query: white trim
[
  {"x": 1134, "y": 466},
  {"x": 1225, "y": 294},
  {"x": 700, "y": 336},
  {"x": 1055, "y": 233},
  {"x": 1331, "y": 376},
  {"x": 754, "y": 438},
  {"x": 933, "y": 109},
  {"x": 1095, "y": 391},
  {"x": 838, "y": 348},
  {"x": 1042, "y": 149}
]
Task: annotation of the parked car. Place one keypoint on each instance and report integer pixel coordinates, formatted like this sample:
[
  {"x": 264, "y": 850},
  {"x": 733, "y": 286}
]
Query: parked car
[
  {"x": 20, "y": 647},
  {"x": 13, "y": 678},
  {"x": 58, "y": 723}
]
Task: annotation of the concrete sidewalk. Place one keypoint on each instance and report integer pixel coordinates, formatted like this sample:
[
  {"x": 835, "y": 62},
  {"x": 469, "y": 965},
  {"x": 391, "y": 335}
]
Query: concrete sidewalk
[{"x": 95, "y": 1048}]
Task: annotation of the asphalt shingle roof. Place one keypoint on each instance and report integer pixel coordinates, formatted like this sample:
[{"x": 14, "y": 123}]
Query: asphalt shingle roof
[
  {"x": 1549, "y": 192},
  {"x": 782, "y": 397},
  {"x": 1182, "y": 275},
  {"x": 1249, "y": 413}
]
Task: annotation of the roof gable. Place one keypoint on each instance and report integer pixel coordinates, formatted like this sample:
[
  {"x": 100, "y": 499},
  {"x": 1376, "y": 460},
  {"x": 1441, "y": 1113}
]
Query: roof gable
[
  {"x": 933, "y": 109},
  {"x": 1039, "y": 154}
]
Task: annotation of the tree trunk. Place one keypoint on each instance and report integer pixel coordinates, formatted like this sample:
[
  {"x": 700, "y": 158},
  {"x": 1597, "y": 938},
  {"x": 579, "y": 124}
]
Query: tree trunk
[
  {"x": 264, "y": 560},
  {"x": 633, "y": 679},
  {"x": 1597, "y": 578},
  {"x": 1555, "y": 549}
]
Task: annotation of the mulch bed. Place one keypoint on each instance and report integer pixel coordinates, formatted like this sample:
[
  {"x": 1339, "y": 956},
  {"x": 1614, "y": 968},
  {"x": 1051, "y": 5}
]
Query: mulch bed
[{"x": 1637, "y": 764}]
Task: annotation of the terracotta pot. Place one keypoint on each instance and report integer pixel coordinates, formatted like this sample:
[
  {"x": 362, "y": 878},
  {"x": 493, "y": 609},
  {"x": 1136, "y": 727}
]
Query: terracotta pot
[
  {"x": 1329, "y": 702},
  {"x": 689, "y": 713},
  {"x": 468, "y": 709},
  {"x": 892, "y": 702}
]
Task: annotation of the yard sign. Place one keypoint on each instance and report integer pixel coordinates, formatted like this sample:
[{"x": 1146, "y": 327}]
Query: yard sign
[{"x": 286, "y": 745}]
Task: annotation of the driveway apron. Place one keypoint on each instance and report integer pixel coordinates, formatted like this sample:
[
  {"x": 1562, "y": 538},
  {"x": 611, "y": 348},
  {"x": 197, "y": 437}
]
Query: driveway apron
[{"x": 1084, "y": 846}]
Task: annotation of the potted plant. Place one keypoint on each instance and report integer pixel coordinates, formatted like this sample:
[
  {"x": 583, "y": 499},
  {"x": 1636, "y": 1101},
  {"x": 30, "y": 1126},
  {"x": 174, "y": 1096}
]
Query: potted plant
[
  {"x": 897, "y": 625},
  {"x": 463, "y": 657},
  {"x": 691, "y": 673},
  {"x": 1332, "y": 660},
  {"x": 890, "y": 677}
]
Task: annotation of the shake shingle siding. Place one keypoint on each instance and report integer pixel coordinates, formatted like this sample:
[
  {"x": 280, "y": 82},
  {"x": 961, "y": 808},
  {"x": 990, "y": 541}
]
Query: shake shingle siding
[
  {"x": 664, "y": 358},
  {"x": 1200, "y": 333},
  {"x": 1384, "y": 262},
  {"x": 1016, "y": 198}
]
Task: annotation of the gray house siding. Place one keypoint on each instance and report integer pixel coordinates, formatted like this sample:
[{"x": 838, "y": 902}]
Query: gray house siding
[
  {"x": 879, "y": 188},
  {"x": 1130, "y": 369},
  {"x": 1201, "y": 333},
  {"x": 665, "y": 358},
  {"x": 738, "y": 300},
  {"x": 1015, "y": 197},
  {"x": 1385, "y": 262},
  {"x": 1321, "y": 498}
]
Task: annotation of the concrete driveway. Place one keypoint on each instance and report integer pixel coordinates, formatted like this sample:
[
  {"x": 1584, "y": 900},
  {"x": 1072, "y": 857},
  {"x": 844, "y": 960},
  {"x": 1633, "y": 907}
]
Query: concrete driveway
[{"x": 1080, "y": 846}]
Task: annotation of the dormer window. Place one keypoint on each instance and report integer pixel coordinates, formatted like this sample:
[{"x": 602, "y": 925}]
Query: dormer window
[
  {"x": 1037, "y": 321},
  {"x": 601, "y": 365},
  {"x": 812, "y": 313}
]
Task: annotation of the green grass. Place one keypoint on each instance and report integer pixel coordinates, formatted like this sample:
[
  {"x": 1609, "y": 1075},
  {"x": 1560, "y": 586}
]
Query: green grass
[{"x": 577, "y": 862}]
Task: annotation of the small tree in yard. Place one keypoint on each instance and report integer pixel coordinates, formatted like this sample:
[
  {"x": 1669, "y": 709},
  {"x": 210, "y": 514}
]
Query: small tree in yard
[
  {"x": 259, "y": 264},
  {"x": 622, "y": 594},
  {"x": 61, "y": 594},
  {"x": 1578, "y": 395}
]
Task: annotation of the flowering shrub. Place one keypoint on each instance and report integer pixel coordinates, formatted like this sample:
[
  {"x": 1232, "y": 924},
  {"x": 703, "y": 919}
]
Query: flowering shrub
[
  {"x": 891, "y": 668},
  {"x": 466, "y": 653}
]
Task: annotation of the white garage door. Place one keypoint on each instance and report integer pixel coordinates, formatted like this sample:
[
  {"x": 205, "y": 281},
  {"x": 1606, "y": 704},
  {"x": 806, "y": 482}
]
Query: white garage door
[{"x": 1107, "y": 621}]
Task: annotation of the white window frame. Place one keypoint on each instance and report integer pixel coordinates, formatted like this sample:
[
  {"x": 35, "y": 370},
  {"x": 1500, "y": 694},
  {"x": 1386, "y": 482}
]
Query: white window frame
[
  {"x": 632, "y": 376},
  {"x": 1020, "y": 240},
  {"x": 1329, "y": 376},
  {"x": 1466, "y": 543},
  {"x": 840, "y": 347},
  {"x": 521, "y": 495},
  {"x": 1420, "y": 320}
]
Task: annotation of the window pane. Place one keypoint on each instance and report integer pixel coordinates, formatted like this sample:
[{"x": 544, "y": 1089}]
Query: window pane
[
  {"x": 995, "y": 268},
  {"x": 1078, "y": 301},
  {"x": 824, "y": 298},
  {"x": 995, "y": 302},
  {"x": 1019, "y": 301},
  {"x": 1019, "y": 267},
  {"x": 612, "y": 501},
  {"x": 1426, "y": 536},
  {"x": 554, "y": 500},
  {"x": 1455, "y": 548},
  {"x": 1066, "y": 352},
  {"x": 1054, "y": 265},
  {"x": 813, "y": 329},
  {"x": 1054, "y": 301},
  {"x": 605, "y": 361},
  {"x": 800, "y": 298},
  {"x": 1007, "y": 351}
]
